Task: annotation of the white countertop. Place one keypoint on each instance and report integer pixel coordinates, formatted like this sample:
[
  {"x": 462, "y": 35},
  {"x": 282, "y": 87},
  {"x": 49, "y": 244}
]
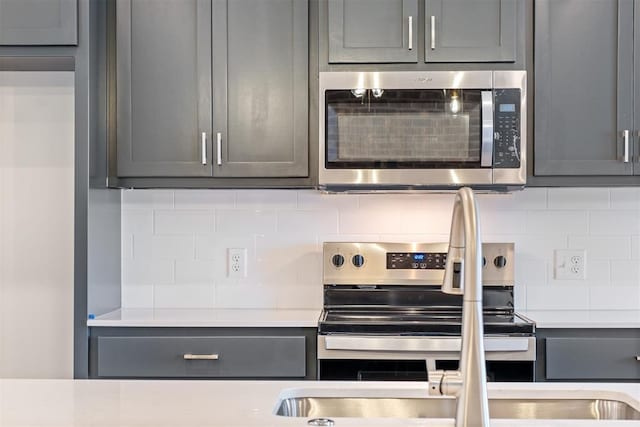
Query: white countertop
[
  {"x": 101, "y": 403},
  {"x": 584, "y": 318},
  {"x": 230, "y": 318}
]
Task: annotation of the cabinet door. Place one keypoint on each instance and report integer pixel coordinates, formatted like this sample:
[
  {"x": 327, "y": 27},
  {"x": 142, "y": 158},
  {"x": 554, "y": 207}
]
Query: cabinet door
[
  {"x": 373, "y": 31},
  {"x": 470, "y": 31},
  {"x": 38, "y": 22},
  {"x": 164, "y": 88},
  {"x": 584, "y": 86},
  {"x": 260, "y": 76},
  {"x": 636, "y": 135}
]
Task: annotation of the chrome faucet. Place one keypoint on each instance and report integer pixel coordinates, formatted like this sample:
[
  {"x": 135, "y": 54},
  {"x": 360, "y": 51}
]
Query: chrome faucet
[{"x": 463, "y": 276}]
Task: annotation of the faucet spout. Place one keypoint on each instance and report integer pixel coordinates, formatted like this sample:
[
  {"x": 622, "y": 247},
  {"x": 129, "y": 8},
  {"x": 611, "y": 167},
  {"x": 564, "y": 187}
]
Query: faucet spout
[{"x": 463, "y": 276}]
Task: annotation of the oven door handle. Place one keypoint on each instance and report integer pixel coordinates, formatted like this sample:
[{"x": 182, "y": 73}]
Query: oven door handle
[
  {"x": 424, "y": 344},
  {"x": 486, "y": 153}
]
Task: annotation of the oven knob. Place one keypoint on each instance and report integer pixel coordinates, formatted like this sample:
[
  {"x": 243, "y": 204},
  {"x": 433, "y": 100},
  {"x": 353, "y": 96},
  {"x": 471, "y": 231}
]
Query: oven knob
[
  {"x": 500, "y": 261},
  {"x": 484, "y": 261},
  {"x": 358, "y": 260},
  {"x": 337, "y": 260}
]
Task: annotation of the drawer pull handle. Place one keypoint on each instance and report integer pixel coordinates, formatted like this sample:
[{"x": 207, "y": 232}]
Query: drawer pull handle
[{"x": 190, "y": 356}]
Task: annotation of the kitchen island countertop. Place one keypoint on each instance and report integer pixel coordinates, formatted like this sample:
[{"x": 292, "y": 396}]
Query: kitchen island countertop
[{"x": 101, "y": 403}]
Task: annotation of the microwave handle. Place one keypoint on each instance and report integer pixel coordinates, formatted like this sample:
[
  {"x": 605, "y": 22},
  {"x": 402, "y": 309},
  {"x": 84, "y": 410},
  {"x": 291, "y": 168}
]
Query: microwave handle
[{"x": 486, "y": 153}]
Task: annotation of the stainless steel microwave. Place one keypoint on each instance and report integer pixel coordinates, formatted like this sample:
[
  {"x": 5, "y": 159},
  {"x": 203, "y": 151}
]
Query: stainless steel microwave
[{"x": 422, "y": 130}]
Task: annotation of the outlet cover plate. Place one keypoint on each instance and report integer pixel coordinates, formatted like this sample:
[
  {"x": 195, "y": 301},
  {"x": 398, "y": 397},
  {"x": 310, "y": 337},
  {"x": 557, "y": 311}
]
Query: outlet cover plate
[
  {"x": 570, "y": 264},
  {"x": 237, "y": 263}
]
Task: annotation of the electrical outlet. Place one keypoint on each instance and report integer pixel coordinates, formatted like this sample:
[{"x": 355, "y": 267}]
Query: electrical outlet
[
  {"x": 237, "y": 263},
  {"x": 570, "y": 264}
]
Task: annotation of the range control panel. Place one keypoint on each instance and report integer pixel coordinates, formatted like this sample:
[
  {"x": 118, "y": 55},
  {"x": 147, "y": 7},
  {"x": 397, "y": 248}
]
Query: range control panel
[
  {"x": 416, "y": 260},
  {"x": 372, "y": 263}
]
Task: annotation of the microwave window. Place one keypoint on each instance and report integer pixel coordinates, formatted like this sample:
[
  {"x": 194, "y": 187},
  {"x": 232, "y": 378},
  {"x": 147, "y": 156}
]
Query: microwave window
[{"x": 402, "y": 128}]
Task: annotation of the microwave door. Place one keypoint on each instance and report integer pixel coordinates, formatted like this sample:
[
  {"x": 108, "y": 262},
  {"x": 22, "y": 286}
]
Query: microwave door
[{"x": 486, "y": 154}]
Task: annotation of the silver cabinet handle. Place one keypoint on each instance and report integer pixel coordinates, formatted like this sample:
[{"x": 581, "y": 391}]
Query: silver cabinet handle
[
  {"x": 638, "y": 358},
  {"x": 625, "y": 136},
  {"x": 433, "y": 32},
  {"x": 204, "y": 148},
  {"x": 411, "y": 33},
  {"x": 190, "y": 356},
  {"x": 219, "y": 148}
]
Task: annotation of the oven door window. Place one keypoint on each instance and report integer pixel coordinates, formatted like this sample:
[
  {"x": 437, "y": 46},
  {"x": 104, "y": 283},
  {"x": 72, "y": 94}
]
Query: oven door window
[{"x": 403, "y": 129}]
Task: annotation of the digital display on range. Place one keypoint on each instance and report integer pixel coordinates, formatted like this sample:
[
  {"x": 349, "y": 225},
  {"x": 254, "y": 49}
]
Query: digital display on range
[{"x": 416, "y": 261}]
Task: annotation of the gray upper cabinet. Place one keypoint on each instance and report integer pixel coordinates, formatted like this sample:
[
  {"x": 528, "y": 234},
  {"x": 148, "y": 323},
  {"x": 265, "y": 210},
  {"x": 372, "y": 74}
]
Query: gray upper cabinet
[
  {"x": 636, "y": 55},
  {"x": 164, "y": 88},
  {"x": 215, "y": 89},
  {"x": 373, "y": 31},
  {"x": 584, "y": 87},
  {"x": 38, "y": 22},
  {"x": 260, "y": 75},
  {"x": 470, "y": 31}
]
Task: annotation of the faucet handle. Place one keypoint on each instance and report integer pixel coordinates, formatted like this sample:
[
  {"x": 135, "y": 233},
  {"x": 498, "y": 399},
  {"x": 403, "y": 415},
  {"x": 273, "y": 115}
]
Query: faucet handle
[{"x": 444, "y": 383}]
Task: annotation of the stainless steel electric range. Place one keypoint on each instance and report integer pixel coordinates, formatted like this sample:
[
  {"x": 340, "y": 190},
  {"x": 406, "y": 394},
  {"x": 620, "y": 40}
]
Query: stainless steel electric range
[{"x": 385, "y": 317}]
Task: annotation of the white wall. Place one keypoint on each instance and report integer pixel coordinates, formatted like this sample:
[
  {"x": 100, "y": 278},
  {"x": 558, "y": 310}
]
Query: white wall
[
  {"x": 36, "y": 224},
  {"x": 174, "y": 242}
]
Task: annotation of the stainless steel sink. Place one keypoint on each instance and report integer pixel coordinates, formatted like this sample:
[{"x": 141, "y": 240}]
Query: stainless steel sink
[{"x": 365, "y": 407}]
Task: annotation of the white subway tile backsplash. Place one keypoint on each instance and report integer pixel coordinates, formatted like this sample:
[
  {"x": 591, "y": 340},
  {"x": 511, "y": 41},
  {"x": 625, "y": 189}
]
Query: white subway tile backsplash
[
  {"x": 308, "y": 222},
  {"x": 266, "y": 199},
  {"x": 246, "y": 221},
  {"x": 558, "y": 297},
  {"x": 578, "y": 198},
  {"x": 602, "y": 247},
  {"x": 174, "y": 243},
  {"x": 183, "y": 222},
  {"x": 618, "y": 298},
  {"x": 205, "y": 199},
  {"x": 195, "y": 272},
  {"x": 137, "y": 296},
  {"x": 163, "y": 246},
  {"x": 530, "y": 199},
  {"x": 147, "y": 199},
  {"x": 137, "y": 221},
  {"x": 245, "y": 296},
  {"x": 184, "y": 296},
  {"x": 142, "y": 271},
  {"x": 625, "y": 198},
  {"x": 556, "y": 222},
  {"x": 311, "y": 199},
  {"x": 625, "y": 271},
  {"x": 623, "y": 223}
]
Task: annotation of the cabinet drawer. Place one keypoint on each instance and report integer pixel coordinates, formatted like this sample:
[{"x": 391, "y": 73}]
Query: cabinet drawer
[
  {"x": 237, "y": 357},
  {"x": 592, "y": 358}
]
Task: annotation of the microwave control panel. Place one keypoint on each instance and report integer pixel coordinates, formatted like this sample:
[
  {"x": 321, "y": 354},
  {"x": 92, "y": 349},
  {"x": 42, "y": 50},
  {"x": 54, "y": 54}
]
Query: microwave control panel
[{"x": 506, "y": 125}]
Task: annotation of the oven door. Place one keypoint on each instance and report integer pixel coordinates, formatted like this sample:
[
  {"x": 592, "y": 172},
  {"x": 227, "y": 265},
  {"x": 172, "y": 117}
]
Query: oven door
[
  {"x": 406, "y": 128},
  {"x": 409, "y": 358}
]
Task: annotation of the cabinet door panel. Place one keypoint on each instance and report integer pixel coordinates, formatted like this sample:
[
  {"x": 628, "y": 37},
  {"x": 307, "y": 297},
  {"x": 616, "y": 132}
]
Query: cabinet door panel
[
  {"x": 38, "y": 22},
  {"x": 600, "y": 358},
  {"x": 164, "y": 87},
  {"x": 478, "y": 31},
  {"x": 372, "y": 31},
  {"x": 636, "y": 106},
  {"x": 584, "y": 86},
  {"x": 261, "y": 90}
]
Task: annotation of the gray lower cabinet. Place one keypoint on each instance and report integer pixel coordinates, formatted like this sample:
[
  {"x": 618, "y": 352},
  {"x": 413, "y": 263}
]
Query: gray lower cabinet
[
  {"x": 584, "y": 82},
  {"x": 38, "y": 22},
  {"x": 588, "y": 355},
  {"x": 470, "y": 31},
  {"x": 373, "y": 31},
  {"x": 212, "y": 88},
  {"x": 238, "y": 353}
]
